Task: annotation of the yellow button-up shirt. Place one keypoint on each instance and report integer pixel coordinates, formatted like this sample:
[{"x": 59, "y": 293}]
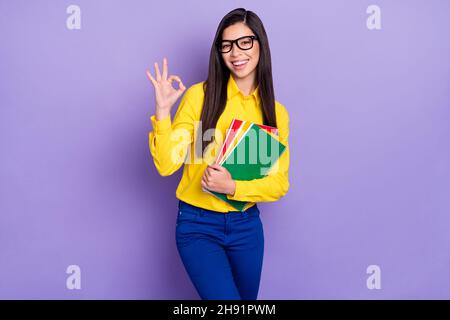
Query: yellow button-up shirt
[{"x": 172, "y": 144}]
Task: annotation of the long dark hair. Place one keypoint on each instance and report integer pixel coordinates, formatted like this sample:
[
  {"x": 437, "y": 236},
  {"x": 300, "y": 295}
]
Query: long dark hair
[{"x": 215, "y": 86}]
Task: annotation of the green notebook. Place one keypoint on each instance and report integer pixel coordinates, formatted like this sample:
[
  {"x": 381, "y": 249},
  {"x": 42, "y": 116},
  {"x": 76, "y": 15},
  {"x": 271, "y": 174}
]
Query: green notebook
[{"x": 252, "y": 157}]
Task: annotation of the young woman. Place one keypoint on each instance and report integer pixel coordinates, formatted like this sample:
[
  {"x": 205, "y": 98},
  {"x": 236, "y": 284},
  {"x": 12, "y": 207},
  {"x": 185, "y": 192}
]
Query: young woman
[{"x": 221, "y": 248}]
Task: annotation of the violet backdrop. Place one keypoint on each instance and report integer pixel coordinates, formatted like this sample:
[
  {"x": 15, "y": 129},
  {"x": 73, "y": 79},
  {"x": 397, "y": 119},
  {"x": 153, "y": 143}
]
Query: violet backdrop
[{"x": 370, "y": 157}]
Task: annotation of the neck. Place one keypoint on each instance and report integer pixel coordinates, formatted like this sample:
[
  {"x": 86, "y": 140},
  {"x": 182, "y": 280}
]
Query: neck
[{"x": 247, "y": 85}]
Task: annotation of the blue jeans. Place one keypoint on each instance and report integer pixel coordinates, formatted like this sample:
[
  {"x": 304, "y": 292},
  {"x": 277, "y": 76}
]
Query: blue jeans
[{"x": 221, "y": 252}]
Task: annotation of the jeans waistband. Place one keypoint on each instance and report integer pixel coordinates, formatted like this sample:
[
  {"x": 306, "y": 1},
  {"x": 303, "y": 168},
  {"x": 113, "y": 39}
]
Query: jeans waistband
[{"x": 183, "y": 205}]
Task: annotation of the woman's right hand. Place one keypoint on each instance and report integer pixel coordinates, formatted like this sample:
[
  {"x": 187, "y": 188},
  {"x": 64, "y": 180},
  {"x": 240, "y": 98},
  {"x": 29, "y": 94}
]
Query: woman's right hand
[{"x": 165, "y": 94}]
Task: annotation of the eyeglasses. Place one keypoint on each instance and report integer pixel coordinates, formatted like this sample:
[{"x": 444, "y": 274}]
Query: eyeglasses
[{"x": 243, "y": 43}]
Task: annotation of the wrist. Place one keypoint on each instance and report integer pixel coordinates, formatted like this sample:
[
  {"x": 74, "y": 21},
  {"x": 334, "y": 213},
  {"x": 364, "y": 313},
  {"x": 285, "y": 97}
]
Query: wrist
[{"x": 161, "y": 114}]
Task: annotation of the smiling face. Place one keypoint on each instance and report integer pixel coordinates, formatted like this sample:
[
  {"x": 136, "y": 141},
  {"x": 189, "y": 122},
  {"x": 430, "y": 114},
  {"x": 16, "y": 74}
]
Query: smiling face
[{"x": 236, "y": 54}]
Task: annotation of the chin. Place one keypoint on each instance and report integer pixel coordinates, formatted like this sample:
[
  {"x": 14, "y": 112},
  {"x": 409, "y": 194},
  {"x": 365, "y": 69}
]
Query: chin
[{"x": 240, "y": 74}]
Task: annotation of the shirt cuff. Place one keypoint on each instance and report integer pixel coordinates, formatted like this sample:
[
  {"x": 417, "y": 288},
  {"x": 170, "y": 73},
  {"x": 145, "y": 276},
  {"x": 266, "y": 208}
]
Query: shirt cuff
[
  {"x": 162, "y": 125},
  {"x": 237, "y": 191}
]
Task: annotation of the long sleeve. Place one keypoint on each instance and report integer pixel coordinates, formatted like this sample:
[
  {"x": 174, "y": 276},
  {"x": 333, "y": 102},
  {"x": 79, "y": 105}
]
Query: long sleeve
[
  {"x": 169, "y": 142},
  {"x": 276, "y": 184}
]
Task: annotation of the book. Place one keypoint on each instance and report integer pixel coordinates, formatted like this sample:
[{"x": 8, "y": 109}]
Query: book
[{"x": 249, "y": 151}]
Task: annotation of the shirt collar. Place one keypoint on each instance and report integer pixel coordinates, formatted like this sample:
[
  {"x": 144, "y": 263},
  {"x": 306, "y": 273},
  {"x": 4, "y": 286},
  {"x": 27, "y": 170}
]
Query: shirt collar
[{"x": 233, "y": 89}]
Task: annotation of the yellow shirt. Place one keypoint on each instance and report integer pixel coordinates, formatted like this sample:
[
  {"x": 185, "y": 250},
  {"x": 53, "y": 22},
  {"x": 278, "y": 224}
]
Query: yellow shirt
[{"x": 171, "y": 145}]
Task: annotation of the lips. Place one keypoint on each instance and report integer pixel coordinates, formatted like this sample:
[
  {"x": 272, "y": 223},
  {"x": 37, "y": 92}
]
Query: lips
[{"x": 239, "y": 63}]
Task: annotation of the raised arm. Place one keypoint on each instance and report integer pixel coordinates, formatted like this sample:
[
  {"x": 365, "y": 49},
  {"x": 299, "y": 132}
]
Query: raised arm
[{"x": 168, "y": 142}]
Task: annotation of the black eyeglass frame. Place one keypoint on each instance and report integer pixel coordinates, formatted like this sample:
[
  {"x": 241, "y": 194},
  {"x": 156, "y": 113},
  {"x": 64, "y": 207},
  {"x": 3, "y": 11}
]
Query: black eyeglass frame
[{"x": 219, "y": 43}]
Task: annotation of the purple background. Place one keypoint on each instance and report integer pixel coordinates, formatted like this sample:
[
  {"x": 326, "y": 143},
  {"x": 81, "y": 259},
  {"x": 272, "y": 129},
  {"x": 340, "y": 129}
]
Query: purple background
[{"x": 370, "y": 156}]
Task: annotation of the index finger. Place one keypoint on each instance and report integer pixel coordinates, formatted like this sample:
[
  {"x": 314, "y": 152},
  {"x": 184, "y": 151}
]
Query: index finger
[{"x": 158, "y": 74}]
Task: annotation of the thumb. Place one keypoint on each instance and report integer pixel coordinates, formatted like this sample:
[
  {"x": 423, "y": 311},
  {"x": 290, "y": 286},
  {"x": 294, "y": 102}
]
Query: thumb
[{"x": 217, "y": 167}]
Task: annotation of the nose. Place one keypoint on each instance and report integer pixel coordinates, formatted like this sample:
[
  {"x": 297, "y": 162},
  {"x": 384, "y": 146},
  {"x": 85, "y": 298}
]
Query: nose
[{"x": 235, "y": 50}]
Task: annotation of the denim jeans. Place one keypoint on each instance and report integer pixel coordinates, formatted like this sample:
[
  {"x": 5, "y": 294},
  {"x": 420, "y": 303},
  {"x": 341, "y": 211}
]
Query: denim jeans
[{"x": 221, "y": 252}]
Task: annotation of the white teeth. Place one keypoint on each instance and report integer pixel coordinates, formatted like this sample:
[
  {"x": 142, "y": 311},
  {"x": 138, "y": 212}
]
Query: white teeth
[{"x": 240, "y": 62}]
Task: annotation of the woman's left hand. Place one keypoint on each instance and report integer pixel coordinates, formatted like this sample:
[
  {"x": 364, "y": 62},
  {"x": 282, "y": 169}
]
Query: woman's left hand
[{"x": 217, "y": 178}]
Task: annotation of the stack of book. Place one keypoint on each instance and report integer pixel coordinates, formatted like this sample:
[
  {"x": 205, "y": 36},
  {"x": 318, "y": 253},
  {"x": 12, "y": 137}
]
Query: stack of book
[{"x": 249, "y": 151}]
